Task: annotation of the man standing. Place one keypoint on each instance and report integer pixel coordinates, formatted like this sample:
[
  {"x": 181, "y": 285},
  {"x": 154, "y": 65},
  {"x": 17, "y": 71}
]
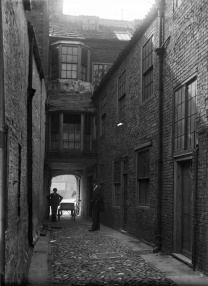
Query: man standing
[
  {"x": 54, "y": 200},
  {"x": 97, "y": 206}
]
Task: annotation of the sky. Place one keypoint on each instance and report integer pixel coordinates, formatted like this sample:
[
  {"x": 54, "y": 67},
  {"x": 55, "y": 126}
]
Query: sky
[{"x": 109, "y": 9}]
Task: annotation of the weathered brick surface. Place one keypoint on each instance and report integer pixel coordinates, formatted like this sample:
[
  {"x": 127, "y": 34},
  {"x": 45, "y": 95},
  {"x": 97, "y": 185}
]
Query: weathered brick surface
[
  {"x": 139, "y": 127},
  {"x": 16, "y": 63},
  {"x": 185, "y": 37}
]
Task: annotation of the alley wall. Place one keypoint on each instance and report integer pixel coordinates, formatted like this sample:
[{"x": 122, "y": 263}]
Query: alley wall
[{"x": 16, "y": 69}]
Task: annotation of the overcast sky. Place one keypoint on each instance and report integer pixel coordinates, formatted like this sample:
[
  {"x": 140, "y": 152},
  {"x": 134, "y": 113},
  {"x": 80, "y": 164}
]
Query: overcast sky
[{"x": 109, "y": 9}]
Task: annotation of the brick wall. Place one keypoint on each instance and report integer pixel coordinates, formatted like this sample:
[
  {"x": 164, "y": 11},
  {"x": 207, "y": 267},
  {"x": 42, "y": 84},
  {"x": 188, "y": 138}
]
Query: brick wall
[
  {"x": 185, "y": 56},
  {"x": 140, "y": 126},
  {"x": 16, "y": 55}
]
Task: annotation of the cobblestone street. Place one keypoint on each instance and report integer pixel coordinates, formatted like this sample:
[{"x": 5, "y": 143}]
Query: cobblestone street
[{"x": 80, "y": 257}]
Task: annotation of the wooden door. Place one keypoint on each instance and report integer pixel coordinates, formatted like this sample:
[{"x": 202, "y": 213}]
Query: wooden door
[{"x": 186, "y": 209}]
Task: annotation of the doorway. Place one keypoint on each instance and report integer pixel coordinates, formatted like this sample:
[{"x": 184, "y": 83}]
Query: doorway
[{"x": 183, "y": 208}]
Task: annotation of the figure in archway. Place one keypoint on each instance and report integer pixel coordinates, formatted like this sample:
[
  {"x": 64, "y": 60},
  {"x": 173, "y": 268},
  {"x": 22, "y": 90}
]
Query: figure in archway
[{"x": 54, "y": 201}]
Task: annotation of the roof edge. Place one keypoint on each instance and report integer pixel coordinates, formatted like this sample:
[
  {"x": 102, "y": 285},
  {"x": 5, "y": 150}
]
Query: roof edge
[{"x": 138, "y": 33}]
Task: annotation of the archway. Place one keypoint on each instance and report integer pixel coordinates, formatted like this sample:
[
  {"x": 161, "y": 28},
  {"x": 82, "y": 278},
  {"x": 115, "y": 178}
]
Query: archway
[{"x": 68, "y": 185}]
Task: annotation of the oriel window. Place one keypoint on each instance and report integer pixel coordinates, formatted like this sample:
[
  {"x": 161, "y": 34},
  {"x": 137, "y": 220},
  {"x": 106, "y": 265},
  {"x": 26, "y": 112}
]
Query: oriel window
[{"x": 69, "y": 62}]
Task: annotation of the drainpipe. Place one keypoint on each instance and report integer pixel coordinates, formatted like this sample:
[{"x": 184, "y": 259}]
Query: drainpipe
[
  {"x": 160, "y": 52},
  {"x": 30, "y": 94},
  {"x": 2, "y": 158},
  {"x": 195, "y": 207}
]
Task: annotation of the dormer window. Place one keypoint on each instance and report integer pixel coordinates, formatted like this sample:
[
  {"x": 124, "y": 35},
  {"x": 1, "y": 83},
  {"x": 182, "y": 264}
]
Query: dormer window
[{"x": 70, "y": 61}]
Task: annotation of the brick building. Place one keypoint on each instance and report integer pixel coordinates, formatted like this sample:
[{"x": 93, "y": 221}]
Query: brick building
[
  {"x": 23, "y": 97},
  {"x": 152, "y": 133},
  {"x": 82, "y": 49}
]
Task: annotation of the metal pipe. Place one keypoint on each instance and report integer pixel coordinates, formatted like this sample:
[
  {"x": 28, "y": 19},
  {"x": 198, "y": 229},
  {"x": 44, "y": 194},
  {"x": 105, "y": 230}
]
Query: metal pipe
[
  {"x": 2, "y": 157},
  {"x": 195, "y": 207},
  {"x": 160, "y": 51}
]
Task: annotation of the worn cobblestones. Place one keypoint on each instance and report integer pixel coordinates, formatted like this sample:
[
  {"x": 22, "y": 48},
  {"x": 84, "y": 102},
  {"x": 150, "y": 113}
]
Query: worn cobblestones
[{"x": 80, "y": 257}]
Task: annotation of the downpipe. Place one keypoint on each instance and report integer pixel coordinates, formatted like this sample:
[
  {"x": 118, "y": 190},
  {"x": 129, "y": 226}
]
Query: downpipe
[
  {"x": 160, "y": 52},
  {"x": 195, "y": 208}
]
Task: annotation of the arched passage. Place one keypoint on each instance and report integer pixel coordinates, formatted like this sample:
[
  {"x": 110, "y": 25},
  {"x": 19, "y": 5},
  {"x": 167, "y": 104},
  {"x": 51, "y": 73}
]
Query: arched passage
[{"x": 68, "y": 185}]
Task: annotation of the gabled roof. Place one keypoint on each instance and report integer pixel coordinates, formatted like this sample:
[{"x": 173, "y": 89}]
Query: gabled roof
[{"x": 89, "y": 27}]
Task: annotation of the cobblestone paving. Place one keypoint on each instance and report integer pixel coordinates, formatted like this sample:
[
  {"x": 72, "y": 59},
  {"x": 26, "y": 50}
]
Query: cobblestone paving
[{"x": 80, "y": 257}]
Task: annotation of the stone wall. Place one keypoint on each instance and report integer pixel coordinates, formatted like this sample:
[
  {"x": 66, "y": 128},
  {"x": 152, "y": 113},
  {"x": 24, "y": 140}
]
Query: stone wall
[{"x": 16, "y": 64}]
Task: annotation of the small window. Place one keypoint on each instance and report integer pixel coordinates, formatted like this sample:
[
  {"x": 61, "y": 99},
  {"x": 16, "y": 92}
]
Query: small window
[
  {"x": 121, "y": 96},
  {"x": 147, "y": 69},
  {"x": 185, "y": 116},
  {"x": 117, "y": 182},
  {"x": 123, "y": 36},
  {"x": 98, "y": 72},
  {"x": 142, "y": 194}
]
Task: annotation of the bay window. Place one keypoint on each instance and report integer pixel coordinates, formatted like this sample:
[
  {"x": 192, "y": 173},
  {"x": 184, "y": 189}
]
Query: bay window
[{"x": 69, "y": 60}]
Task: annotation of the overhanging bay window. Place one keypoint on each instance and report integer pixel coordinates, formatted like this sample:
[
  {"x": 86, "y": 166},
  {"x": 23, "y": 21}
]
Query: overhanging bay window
[
  {"x": 70, "y": 60},
  {"x": 72, "y": 131}
]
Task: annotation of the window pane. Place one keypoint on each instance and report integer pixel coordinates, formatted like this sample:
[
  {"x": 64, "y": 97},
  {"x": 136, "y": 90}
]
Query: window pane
[
  {"x": 142, "y": 192},
  {"x": 74, "y": 74},
  {"x": 64, "y": 50},
  {"x": 69, "y": 67},
  {"x": 63, "y": 74},
  {"x": 69, "y": 58},
  {"x": 63, "y": 58},
  {"x": 69, "y": 50}
]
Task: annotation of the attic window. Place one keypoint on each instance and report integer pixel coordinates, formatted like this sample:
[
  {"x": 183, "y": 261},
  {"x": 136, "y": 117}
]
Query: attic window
[{"x": 123, "y": 36}]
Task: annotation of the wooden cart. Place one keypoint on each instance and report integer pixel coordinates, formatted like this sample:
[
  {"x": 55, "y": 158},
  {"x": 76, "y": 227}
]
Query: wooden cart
[{"x": 66, "y": 207}]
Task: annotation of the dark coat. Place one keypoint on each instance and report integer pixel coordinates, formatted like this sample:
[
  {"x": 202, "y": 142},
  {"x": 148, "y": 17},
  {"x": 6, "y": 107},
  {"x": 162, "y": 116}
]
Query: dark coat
[
  {"x": 54, "y": 200},
  {"x": 97, "y": 199}
]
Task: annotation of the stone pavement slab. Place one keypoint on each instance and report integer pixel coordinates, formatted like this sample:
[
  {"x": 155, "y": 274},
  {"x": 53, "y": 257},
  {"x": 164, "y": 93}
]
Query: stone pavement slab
[
  {"x": 38, "y": 272},
  {"x": 180, "y": 273}
]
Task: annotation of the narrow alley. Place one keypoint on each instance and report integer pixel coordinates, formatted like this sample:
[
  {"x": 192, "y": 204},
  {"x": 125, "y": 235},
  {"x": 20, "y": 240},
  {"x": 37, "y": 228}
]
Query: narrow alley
[{"x": 75, "y": 256}]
